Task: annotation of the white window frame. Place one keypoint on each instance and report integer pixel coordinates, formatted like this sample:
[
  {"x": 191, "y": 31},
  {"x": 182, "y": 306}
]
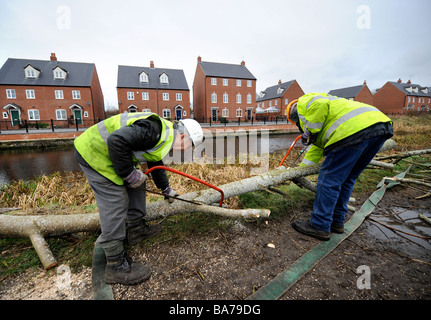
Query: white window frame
[
  {"x": 225, "y": 98},
  {"x": 238, "y": 98},
  {"x": 249, "y": 83},
  {"x": 238, "y": 113},
  {"x": 225, "y": 113},
  {"x": 225, "y": 82},
  {"x": 33, "y": 115},
  {"x": 179, "y": 96},
  {"x": 29, "y": 93},
  {"x": 167, "y": 113},
  {"x": 249, "y": 99},
  {"x": 59, "y": 94},
  {"x": 130, "y": 95},
  {"x": 29, "y": 73},
  {"x": 146, "y": 110},
  {"x": 60, "y": 114},
  {"x": 165, "y": 96},
  {"x": 238, "y": 83},
  {"x": 76, "y": 94},
  {"x": 10, "y": 93},
  {"x": 145, "y": 95},
  {"x": 213, "y": 81},
  {"x": 143, "y": 77},
  {"x": 214, "y": 97},
  {"x": 85, "y": 114},
  {"x": 164, "y": 78}
]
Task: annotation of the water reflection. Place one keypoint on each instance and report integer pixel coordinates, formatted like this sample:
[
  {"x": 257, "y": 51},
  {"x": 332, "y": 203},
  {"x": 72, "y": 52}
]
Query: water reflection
[{"x": 29, "y": 164}]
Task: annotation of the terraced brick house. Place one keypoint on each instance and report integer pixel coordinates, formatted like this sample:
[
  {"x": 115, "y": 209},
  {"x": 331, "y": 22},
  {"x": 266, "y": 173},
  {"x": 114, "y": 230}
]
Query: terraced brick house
[
  {"x": 359, "y": 93},
  {"x": 37, "y": 91},
  {"x": 223, "y": 91},
  {"x": 159, "y": 90},
  {"x": 273, "y": 100},
  {"x": 403, "y": 97}
]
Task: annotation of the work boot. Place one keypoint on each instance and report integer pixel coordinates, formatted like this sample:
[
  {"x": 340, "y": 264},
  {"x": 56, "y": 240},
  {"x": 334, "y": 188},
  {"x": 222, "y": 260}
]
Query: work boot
[
  {"x": 335, "y": 228},
  {"x": 142, "y": 231},
  {"x": 306, "y": 228},
  {"x": 123, "y": 270}
]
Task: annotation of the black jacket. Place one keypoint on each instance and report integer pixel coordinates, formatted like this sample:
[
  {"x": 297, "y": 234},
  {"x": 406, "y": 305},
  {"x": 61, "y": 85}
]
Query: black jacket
[{"x": 140, "y": 136}]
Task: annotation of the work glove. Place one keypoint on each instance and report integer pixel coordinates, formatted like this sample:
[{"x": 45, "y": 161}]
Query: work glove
[
  {"x": 136, "y": 178},
  {"x": 169, "y": 194},
  {"x": 307, "y": 138}
]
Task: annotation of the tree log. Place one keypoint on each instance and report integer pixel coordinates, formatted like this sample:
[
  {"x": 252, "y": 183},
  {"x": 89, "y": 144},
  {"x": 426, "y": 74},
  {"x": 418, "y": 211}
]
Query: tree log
[{"x": 37, "y": 227}]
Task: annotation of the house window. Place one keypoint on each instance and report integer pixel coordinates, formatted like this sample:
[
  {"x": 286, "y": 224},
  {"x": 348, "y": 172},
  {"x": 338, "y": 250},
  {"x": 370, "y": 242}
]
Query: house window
[
  {"x": 214, "y": 98},
  {"x": 60, "y": 114},
  {"x": 30, "y": 94},
  {"x": 165, "y": 96},
  {"x": 286, "y": 101},
  {"x": 280, "y": 90},
  {"x": 276, "y": 102},
  {"x": 184, "y": 113},
  {"x": 225, "y": 82},
  {"x": 225, "y": 98},
  {"x": 239, "y": 113},
  {"x": 145, "y": 96},
  {"x": 249, "y": 98},
  {"x": 85, "y": 114},
  {"x": 143, "y": 77},
  {"x": 213, "y": 81},
  {"x": 225, "y": 113},
  {"x": 59, "y": 94},
  {"x": 238, "y": 83},
  {"x": 249, "y": 83},
  {"x": 30, "y": 73},
  {"x": 166, "y": 113},
  {"x": 179, "y": 96},
  {"x": 238, "y": 98},
  {"x": 164, "y": 78},
  {"x": 130, "y": 95},
  {"x": 33, "y": 114},
  {"x": 76, "y": 94},
  {"x": 146, "y": 110},
  {"x": 5, "y": 115},
  {"x": 10, "y": 93},
  {"x": 59, "y": 73}
]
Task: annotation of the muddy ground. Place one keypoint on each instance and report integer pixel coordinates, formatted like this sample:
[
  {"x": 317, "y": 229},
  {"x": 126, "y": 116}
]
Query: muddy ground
[{"x": 233, "y": 264}]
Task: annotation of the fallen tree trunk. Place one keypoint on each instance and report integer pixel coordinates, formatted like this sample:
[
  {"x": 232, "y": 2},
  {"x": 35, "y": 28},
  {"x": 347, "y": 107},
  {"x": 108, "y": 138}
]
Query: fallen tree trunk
[{"x": 38, "y": 227}]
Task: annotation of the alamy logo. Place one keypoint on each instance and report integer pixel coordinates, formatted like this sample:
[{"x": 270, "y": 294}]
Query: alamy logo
[{"x": 364, "y": 280}]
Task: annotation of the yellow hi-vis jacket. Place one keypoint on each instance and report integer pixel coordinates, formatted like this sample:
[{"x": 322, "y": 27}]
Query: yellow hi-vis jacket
[
  {"x": 92, "y": 144},
  {"x": 333, "y": 119}
]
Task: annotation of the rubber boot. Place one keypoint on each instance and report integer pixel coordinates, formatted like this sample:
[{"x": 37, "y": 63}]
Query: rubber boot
[{"x": 123, "y": 270}]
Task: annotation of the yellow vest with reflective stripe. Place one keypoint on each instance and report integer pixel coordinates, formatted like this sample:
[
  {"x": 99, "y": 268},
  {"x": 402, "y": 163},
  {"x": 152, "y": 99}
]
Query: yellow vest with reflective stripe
[
  {"x": 92, "y": 144},
  {"x": 333, "y": 119}
]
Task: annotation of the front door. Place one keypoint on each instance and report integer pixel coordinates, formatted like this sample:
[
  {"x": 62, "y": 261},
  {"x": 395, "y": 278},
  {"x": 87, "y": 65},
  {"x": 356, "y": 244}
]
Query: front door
[
  {"x": 248, "y": 114},
  {"x": 78, "y": 116},
  {"x": 15, "y": 117},
  {"x": 214, "y": 114},
  {"x": 178, "y": 114}
]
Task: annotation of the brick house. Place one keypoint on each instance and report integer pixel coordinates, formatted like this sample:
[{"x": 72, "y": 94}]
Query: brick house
[
  {"x": 359, "y": 93},
  {"x": 222, "y": 90},
  {"x": 274, "y": 100},
  {"x": 399, "y": 97},
  {"x": 45, "y": 90},
  {"x": 159, "y": 90}
]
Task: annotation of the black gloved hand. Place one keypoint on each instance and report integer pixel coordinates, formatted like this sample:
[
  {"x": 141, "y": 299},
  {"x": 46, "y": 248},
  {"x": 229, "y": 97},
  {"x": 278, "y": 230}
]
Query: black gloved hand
[{"x": 170, "y": 194}]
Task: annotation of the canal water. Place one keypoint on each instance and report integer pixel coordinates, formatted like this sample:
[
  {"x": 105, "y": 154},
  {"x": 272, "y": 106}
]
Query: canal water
[{"x": 29, "y": 164}]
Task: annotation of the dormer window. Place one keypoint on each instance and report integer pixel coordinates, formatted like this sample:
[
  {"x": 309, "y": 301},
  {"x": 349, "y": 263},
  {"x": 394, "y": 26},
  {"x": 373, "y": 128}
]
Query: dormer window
[
  {"x": 59, "y": 73},
  {"x": 280, "y": 90},
  {"x": 31, "y": 72},
  {"x": 164, "y": 78},
  {"x": 143, "y": 77}
]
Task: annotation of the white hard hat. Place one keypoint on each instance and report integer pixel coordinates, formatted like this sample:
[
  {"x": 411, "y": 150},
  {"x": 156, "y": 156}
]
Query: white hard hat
[{"x": 194, "y": 129}]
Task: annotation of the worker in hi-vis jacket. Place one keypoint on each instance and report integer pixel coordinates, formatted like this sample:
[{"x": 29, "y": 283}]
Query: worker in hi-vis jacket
[
  {"x": 348, "y": 134},
  {"x": 108, "y": 153}
]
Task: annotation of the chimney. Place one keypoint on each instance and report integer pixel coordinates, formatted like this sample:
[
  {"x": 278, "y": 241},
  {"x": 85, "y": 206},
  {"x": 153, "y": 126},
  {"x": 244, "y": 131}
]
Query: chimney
[
  {"x": 199, "y": 59},
  {"x": 365, "y": 82},
  {"x": 408, "y": 82},
  {"x": 53, "y": 57},
  {"x": 399, "y": 80},
  {"x": 243, "y": 63},
  {"x": 279, "y": 81},
  {"x": 152, "y": 64}
]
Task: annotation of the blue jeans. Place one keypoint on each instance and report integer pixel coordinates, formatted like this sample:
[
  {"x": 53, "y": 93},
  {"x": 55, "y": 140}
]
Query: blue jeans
[{"x": 337, "y": 177}]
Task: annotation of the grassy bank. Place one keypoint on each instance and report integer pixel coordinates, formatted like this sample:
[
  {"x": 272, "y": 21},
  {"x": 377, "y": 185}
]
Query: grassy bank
[{"x": 69, "y": 193}]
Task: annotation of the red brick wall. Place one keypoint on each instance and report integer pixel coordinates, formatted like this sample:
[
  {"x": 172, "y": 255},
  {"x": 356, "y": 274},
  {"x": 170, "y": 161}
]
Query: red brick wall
[
  {"x": 46, "y": 102},
  {"x": 365, "y": 96},
  {"x": 199, "y": 94},
  {"x": 155, "y": 100},
  {"x": 98, "y": 105},
  {"x": 389, "y": 99}
]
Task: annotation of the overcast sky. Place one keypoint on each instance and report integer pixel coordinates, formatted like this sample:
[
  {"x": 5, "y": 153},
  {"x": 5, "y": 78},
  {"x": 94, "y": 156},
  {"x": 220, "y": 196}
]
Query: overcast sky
[{"x": 323, "y": 44}]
